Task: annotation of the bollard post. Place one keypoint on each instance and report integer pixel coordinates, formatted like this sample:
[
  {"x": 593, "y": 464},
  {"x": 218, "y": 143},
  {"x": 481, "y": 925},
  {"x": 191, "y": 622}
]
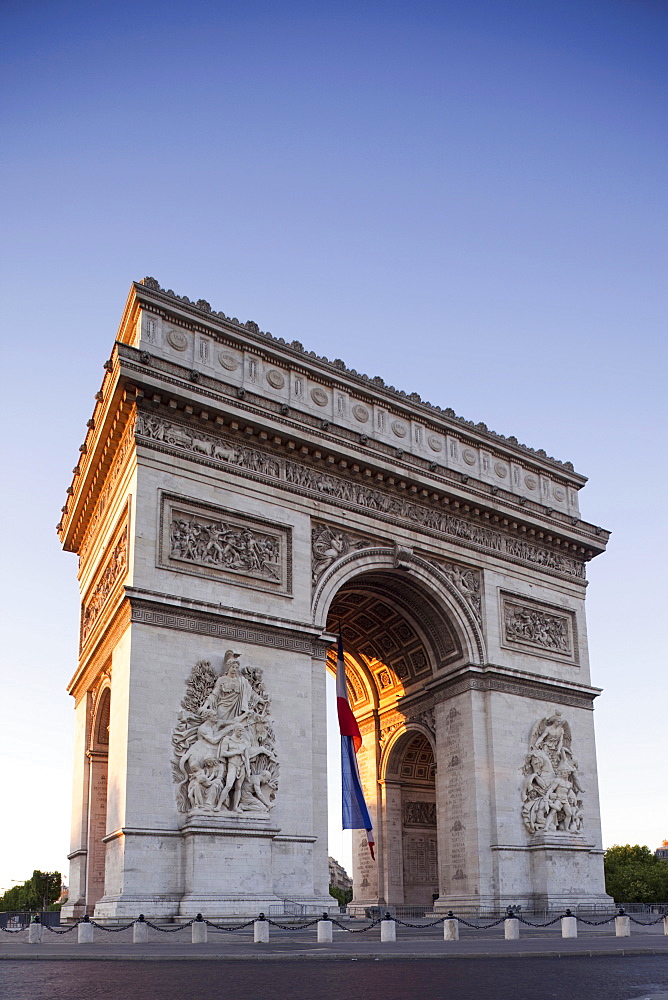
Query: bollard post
[
  {"x": 325, "y": 929},
  {"x": 451, "y": 927},
  {"x": 511, "y": 927},
  {"x": 388, "y": 929},
  {"x": 85, "y": 931},
  {"x": 665, "y": 924},
  {"x": 199, "y": 930},
  {"x": 622, "y": 924},
  {"x": 35, "y": 931},
  {"x": 261, "y": 930},
  {"x": 569, "y": 925},
  {"x": 140, "y": 930}
]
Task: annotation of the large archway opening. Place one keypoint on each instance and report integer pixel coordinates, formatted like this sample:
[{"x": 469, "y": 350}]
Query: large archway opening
[{"x": 397, "y": 639}]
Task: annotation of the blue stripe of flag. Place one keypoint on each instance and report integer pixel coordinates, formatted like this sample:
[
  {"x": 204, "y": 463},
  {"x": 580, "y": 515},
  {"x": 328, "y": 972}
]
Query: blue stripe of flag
[{"x": 355, "y": 813}]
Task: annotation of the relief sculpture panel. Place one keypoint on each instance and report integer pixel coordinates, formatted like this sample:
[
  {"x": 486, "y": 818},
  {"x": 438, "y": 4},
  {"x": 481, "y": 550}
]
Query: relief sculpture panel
[
  {"x": 224, "y": 744},
  {"x": 537, "y": 628},
  {"x": 551, "y": 793},
  {"x": 208, "y": 541}
]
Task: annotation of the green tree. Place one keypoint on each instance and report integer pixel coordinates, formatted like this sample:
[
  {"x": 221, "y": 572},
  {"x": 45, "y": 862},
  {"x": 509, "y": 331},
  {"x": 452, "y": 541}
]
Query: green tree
[
  {"x": 38, "y": 893},
  {"x": 633, "y": 874},
  {"x": 342, "y": 896}
]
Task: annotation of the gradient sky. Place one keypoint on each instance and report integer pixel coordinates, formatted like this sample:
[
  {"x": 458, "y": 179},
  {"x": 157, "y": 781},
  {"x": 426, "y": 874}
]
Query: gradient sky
[{"x": 467, "y": 198}]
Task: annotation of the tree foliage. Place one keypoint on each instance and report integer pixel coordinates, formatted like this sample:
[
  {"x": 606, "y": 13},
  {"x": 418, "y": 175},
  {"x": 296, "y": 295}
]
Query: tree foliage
[
  {"x": 342, "y": 896},
  {"x": 633, "y": 874},
  {"x": 38, "y": 893}
]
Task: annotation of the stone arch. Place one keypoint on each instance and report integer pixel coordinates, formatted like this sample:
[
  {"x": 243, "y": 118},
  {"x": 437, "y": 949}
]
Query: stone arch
[
  {"x": 100, "y": 716},
  {"x": 433, "y": 595},
  {"x": 393, "y": 751},
  {"x": 98, "y": 764},
  {"x": 409, "y": 816}
]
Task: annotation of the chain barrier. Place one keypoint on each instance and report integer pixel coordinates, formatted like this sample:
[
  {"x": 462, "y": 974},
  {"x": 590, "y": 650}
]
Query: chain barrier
[
  {"x": 167, "y": 930},
  {"x": 549, "y": 923},
  {"x": 433, "y": 923},
  {"x": 480, "y": 927},
  {"x": 597, "y": 923},
  {"x": 224, "y": 927},
  {"x": 292, "y": 927},
  {"x": 112, "y": 930},
  {"x": 66, "y": 930},
  {"x": 337, "y": 923},
  {"x": 357, "y": 930}
]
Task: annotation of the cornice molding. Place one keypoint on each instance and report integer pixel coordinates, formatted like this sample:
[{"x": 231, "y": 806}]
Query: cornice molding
[{"x": 150, "y": 294}]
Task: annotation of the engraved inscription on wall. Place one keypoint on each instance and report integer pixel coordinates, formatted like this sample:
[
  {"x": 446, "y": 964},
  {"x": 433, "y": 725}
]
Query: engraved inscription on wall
[
  {"x": 420, "y": 859},
  {"x": 538, "y": 628},
  {"x": 205, "y": 540}
]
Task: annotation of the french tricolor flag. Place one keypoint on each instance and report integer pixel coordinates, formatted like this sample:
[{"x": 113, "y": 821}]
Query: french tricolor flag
[{"x": 355, "y": 813}]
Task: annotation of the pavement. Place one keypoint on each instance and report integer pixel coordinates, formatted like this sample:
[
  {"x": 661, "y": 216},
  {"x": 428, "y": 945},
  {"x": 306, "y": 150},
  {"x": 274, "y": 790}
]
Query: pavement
[{"x": 416, "y": 942}]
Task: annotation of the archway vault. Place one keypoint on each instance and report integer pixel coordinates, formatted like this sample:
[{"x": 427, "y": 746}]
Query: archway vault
[{"x": 423, "y": 594}]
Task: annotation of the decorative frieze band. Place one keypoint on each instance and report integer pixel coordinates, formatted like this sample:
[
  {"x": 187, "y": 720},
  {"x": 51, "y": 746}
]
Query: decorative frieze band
[
  {"x": 217, "y": 450},
  {"x": 114, "y": 567},
  {"x": 200, "y": 623}
]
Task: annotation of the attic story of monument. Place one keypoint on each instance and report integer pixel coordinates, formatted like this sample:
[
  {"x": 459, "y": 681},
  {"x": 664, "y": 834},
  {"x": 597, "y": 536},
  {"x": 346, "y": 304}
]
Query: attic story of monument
[{"x": 235, "y": 499}]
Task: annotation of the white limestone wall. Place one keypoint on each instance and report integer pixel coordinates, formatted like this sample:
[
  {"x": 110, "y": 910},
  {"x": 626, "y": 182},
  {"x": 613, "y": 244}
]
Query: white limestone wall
[
  {"x": 571, "y": 870},
  {"x": 75, "y": 906},
  {"x": 147, "y": 699},
  {"x": 234, "y": 495}
]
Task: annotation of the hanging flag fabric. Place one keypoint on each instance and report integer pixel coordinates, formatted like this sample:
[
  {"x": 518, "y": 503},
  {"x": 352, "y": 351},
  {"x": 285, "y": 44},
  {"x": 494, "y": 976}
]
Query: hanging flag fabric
[{"x": 354, "y": 813}]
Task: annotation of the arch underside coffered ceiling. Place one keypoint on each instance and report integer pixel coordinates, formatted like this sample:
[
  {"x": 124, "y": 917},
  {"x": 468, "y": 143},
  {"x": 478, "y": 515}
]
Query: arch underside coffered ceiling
[{"x": 395, "y": 637}]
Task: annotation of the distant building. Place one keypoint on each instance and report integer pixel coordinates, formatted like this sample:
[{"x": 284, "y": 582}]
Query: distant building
[
  {"x": 338, "y": 876},
  {"x": 660, "y": 852}
]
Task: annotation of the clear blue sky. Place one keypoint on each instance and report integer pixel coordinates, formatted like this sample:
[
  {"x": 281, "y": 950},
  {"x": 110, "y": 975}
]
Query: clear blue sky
[{"x": 467, "y": 198}]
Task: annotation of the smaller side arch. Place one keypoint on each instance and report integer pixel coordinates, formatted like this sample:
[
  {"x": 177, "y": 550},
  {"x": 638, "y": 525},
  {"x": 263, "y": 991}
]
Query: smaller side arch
[{"x": 100, "y": 717}]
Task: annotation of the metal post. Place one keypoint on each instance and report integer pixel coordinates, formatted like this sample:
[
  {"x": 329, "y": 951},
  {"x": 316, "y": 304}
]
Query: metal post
[
  {"x": 261, "y": 930},
  {"x": 451, "y": 927},
  {"x": 325, "y": 929},
  {"x": 388, "y": 929},
  {"x": 199, "y": 930},
  {"x": 140, "y": 930},
  {"x": 85, "y": 931},
  {"x": 569, "y": 925}
]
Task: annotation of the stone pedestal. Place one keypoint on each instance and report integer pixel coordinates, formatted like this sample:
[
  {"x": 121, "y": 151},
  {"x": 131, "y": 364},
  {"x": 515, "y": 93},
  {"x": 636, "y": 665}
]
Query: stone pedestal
[
  {"x": 388, "y": 931},
  {"x": 451, "y": 930},
  {"x": 35, "y": 932},
  {"x": 199, "y": 932},
  {"x": 325, "y": 931},
  {"x": 85, "y": 933},
  {"x": 261, "y": 932},
  {"x": 511, "y": 928},
  {"x": 622, "y": 926},
  {"x": 228, "y": 867},
  {"x": 140, "y": 932},
  {"x": 569, "y": 927}
]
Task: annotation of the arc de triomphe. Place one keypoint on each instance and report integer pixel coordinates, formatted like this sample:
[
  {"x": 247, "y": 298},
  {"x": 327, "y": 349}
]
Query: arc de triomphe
[{"x": 235, "y": 499}]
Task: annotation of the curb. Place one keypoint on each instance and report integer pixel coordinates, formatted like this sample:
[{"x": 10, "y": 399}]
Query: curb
[{"x": 333, "y": 957}]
